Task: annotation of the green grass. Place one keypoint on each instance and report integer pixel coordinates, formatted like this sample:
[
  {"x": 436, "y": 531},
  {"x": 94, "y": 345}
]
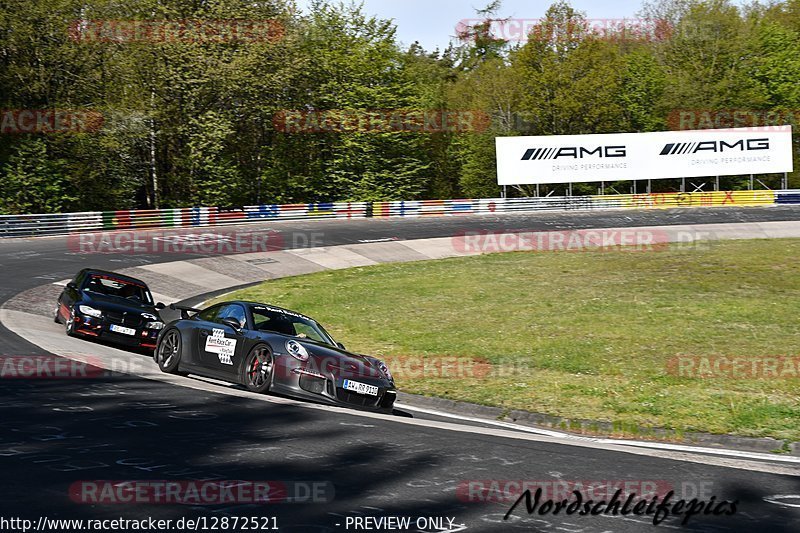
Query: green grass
[{"x": 580, "y": 335}]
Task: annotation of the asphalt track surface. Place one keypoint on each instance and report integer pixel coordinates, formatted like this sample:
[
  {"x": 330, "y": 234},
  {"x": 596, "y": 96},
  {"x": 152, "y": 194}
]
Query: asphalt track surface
[{"x": 54, "y": 433}]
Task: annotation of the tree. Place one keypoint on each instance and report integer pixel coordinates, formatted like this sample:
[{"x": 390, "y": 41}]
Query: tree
[
  {"x": 33, "y": 182},
  {"x": 705, "y": 59},
  {"x": 570, "y": 79},
  {"x": 642, "y": 87}
]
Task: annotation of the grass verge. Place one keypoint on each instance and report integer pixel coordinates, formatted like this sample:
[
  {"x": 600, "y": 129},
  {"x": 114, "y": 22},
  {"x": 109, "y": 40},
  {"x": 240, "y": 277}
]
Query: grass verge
[{"x": 587, "y": 335}]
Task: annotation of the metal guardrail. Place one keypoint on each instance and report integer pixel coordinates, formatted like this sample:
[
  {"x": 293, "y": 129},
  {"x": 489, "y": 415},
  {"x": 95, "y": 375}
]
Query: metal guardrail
[{"x": 68, "y": 223}]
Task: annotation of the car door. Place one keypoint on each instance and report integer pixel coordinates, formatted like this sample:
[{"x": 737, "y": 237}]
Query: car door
[
  {"x": 220, "y": 345},
  {"x": 202, "y": 326}
]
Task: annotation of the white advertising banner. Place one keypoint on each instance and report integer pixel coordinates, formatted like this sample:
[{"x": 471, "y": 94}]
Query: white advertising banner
[{"x": 641, "y": 156}]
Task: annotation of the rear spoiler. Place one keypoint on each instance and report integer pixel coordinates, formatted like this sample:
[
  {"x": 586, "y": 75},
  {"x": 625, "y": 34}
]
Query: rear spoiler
[{"x": 184, "y": 310}]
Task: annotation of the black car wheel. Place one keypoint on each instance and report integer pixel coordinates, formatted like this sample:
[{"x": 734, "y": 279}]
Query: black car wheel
[
  {"x": 257, "y": 369},
  {"x": 69, "y": 325},
  {"x": 168, "y": 352},
  {"x": 56, "y": 315}
]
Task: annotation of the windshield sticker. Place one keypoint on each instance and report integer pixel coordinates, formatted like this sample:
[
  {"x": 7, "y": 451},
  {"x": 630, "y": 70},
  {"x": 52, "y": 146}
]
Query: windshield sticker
[{"x": 282, "y": 311}]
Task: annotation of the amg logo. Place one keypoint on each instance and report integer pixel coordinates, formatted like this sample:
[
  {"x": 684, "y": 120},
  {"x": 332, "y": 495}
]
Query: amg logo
[
  {"x": 742, "y": 145},
  {"x": 574, "y": 152}
]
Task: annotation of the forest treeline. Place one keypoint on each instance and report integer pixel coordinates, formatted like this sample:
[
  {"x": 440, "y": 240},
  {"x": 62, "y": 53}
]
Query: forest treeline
[{"x": 277, "y": 105}]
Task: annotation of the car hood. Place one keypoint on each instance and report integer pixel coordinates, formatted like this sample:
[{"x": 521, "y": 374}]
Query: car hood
[
  {"x": 115, "y": 303},
  {"x": 328, "y": 359}
]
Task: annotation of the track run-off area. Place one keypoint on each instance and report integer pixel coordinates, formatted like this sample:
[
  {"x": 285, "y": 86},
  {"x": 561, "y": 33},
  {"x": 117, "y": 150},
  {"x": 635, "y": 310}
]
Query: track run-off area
[{"x": 136, "y": 424}]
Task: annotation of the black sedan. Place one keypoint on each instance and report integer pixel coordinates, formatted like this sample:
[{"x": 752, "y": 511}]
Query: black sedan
[
  {"x": 110, "y": 306},
  {"x": 267, "y": 348}
]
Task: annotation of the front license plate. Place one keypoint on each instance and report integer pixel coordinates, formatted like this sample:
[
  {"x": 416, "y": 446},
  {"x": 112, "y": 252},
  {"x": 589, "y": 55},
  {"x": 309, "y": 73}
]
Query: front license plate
[
  {"x": 360, "y": 388},
  {"x": 123, "y": 330}
]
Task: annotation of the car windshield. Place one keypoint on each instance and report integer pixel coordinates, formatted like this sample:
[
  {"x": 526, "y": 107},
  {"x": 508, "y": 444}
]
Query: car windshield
[
  {"x": 109, "y": 286},
  {"x": 277, "y": 320}
]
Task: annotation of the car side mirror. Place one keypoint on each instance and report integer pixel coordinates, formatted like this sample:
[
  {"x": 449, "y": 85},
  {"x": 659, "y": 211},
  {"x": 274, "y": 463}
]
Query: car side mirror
[
  {"x": 232, "y": 322},
  {"x": 71, "y": 285},
  {"x": 340, "y": 345},
  {"x": 160, "y": 306}
]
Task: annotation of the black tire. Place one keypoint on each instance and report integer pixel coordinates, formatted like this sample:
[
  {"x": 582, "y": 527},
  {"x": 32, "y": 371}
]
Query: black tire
[
  {"x": 56, "y": 317},
  {"x": 168, "y": 352},
  {"x": 257, "y": 369},
  {"x": 69, "y": 324}
]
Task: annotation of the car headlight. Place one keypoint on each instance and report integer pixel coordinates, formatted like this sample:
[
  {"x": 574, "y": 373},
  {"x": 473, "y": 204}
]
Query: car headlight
[
  {"x": 297, "y": 350},
  {"x": 154, "y": 325},
  {"x": 385, "y": 370},
  {"x": 90, "y": 311}
]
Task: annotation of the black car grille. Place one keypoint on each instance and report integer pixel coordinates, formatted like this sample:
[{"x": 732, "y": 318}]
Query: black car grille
[
  {"x": 361, "y": 400},
  {"x": 315, "y": 385},
  {"x": 131, "y": 320}
]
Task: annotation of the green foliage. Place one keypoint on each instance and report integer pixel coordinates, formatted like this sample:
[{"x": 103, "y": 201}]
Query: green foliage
[
  {"x": 215, "y": 178},
  {"x": 706, "y": 60},
  {"x": 190, "y": 123},
  {"x": 641, "y": 89},
  {"x": 479, "y": 173},
  {"x": 33, "y": 182},
  {"x": 776, "y": 64}
]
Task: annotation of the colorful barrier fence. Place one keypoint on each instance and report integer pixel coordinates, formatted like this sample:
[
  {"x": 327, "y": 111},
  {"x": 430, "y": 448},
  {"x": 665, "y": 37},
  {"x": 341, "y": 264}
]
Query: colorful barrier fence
[
  {"x": 65, "y": 223},
  {"x": 697, "y": 199}
]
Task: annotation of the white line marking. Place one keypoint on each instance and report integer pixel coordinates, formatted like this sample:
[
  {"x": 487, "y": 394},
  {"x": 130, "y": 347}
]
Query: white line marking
[
  {"x": 641, "y": 444},
  {"x": 778, "y": 499},
  {"x": 372, "y": 241}
]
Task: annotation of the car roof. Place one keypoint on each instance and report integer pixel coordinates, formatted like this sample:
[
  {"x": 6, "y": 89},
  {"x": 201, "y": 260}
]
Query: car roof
[{"x": 122, "y": 277}]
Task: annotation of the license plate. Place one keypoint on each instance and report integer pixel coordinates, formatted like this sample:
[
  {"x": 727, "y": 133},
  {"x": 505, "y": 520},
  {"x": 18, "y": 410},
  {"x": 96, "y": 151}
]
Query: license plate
[
  {"x": 123, "y": 330},
  {"x": 360, "y": 388}
]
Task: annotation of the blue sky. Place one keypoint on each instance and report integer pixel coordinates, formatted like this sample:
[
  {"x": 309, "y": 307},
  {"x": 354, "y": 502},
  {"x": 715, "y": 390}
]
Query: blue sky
[{"x": 433, "y": 22}]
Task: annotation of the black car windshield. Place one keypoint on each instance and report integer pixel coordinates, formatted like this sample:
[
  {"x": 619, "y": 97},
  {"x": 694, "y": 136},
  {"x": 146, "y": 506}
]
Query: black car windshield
[
  {"x": 277, "y": 320},
  {"x": 110, "y": 286}
]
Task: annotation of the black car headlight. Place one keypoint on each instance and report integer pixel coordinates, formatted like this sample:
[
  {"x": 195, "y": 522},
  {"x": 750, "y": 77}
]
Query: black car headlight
[
  {"x": 385, "y": 370},
  {"x": 154, "y": 325}
]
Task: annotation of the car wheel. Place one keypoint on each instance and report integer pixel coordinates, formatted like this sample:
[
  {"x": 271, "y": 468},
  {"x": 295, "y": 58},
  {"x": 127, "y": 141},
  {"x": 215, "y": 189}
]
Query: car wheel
[
  {"x": 69, "y": 325},
  {"x": 257, "y": 369},
  {"x": 56, "y": 316},
  {"x": 168, "y": 352}
]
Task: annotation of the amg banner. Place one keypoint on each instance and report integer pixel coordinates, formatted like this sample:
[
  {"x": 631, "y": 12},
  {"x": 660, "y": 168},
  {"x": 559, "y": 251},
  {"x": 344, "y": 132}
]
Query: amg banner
[{"x": 641, "y": 156}]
